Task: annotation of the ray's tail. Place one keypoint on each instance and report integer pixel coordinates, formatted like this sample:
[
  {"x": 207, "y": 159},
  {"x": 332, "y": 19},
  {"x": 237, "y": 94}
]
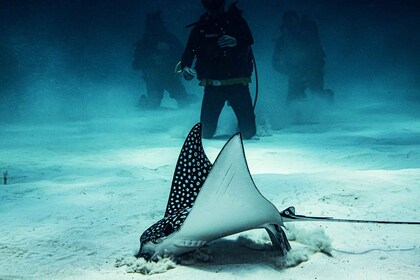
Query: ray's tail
[{"x": 289, "y": 215}]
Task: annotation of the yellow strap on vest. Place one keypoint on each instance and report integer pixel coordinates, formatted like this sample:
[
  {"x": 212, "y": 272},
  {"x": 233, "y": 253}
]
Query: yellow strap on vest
[{"x": 228, "y": 82}]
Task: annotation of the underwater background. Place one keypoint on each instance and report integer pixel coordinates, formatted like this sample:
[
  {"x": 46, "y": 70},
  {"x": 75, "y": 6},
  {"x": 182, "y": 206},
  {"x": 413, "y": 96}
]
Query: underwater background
[
  {"x": 70, "y": 59},
  {"x": 85, "y": 171}
]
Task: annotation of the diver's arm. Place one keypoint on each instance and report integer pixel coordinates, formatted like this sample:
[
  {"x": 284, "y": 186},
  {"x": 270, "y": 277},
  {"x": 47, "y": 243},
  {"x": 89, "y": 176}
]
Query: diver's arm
[
  {"x": 189, "y": 54},
  {"x": 191, "y": 48}
]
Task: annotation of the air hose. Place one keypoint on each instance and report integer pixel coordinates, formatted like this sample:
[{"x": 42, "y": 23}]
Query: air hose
[{"x": 256, "y": 80}]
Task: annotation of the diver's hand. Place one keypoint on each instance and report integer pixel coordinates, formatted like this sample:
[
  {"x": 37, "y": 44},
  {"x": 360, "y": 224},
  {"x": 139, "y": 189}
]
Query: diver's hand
[
  {"x": 188, "y": 73},
  {"x": 227, "y": 41}
]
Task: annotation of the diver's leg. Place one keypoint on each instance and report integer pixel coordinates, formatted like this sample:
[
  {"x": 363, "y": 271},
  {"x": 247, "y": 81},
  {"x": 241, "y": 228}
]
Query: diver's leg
[
  {"x": 316, "y": 85},
  {"x": 154, "y": 93},
  {"x": 279, "y": 239},
  {"x": 213, "y": 102},
  {"x": 241, "y": 102},
  {"x": 316, "y": 81}
]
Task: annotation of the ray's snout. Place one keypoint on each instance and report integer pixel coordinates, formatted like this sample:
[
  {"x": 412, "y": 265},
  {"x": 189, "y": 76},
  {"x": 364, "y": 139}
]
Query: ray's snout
[{"x": 146, "y": 253}]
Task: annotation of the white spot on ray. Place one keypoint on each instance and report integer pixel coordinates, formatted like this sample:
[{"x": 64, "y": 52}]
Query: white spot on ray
[{"x": 192, "y": 160}]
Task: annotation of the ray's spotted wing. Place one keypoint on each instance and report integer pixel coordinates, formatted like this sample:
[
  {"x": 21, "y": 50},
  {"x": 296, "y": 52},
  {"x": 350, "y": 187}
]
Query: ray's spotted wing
[{"x": 191, "y": 171}]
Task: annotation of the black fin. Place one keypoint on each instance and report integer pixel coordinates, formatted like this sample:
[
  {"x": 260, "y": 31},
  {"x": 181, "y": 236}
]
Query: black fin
[{"x": 192, "y": 169}]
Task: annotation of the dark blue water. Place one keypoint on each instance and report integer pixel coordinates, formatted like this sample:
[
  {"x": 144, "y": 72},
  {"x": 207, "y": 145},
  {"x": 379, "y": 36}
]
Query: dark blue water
[{"x": 58, "y": 59}]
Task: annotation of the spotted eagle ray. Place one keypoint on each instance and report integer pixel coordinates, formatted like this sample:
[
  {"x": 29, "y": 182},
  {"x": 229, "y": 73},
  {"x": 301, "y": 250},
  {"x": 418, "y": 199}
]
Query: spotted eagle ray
[{"x": 208, "y": 202}]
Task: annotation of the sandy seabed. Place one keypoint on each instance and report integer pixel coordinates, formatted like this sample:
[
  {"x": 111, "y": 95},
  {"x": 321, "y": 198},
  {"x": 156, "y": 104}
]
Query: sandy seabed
[{"x": 80, "y": 193}]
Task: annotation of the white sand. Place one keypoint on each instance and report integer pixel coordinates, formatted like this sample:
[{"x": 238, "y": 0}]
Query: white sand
[{"x": 80, "y": 194}]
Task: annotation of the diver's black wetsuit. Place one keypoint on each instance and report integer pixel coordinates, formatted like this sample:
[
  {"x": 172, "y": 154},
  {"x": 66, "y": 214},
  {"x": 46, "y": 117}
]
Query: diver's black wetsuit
[{"x": 222, "y": 64}]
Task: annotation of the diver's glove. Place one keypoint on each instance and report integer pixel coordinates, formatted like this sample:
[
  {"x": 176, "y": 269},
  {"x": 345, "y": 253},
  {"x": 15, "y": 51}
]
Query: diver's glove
[
  {"x": 227, "y": 41},
  {"x": 188, "y": 73}
]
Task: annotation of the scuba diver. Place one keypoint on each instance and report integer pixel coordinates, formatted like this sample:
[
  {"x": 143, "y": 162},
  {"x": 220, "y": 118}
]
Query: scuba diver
[
  {"x": 299, "y": 55},
  {"x": 156, "y": 54},
  {"x": 221, "y": 44}
]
